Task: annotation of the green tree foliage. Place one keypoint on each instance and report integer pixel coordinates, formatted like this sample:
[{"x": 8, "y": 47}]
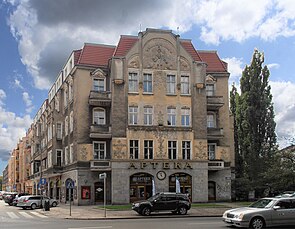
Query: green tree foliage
[{"x": 254, "y": 125}]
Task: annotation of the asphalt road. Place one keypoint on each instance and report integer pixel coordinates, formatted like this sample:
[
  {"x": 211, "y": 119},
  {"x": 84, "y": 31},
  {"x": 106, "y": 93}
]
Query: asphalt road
[{"x": 17, "y": 218}]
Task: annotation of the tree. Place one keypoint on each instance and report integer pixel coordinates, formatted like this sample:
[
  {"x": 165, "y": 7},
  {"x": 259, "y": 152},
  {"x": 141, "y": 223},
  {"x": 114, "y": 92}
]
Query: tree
[{"x": 254, "y": 124}]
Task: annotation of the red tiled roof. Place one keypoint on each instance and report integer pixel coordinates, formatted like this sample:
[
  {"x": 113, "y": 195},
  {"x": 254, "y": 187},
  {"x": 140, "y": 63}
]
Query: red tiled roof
[
  {"x": 95, "y": 54},
  {"x": 188, "y": 46},
  {"x": 77, "y": 54},
  {"x": 125, "y": 44},
  {"x": 213, "y": 61}
]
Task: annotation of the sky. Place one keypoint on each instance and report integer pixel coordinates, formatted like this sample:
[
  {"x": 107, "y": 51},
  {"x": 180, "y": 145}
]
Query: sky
[{"x": 37, "y": 36}]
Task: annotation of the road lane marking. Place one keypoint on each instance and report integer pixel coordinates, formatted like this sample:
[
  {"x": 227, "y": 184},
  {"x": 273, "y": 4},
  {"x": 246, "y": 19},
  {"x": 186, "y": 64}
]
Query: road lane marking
[
  {"x": 12, "y": 215},
  {"x": 90, "y": 227},
  {"x": 39, "y": 215},
  {"x": 26, "y": 215}
]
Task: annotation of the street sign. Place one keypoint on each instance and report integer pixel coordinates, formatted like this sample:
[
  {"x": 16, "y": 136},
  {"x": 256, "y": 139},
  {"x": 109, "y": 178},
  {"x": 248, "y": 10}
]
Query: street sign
[
  {"x": 102, "y": 176},
  {"x": 42, "y": 181},
  {"x": 70, "y": 184}
]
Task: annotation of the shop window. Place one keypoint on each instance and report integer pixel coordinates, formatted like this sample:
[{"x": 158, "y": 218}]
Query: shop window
[{"x": 85, "y": 192}]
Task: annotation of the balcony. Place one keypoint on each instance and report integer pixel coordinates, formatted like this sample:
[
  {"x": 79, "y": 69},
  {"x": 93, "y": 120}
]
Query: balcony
[
  {"x": 215, "y": 133},
  {"x": 215, "y": 165},
  {"x": 100, "y": 165},
  {"x": 100, "y": 131},
  {"x": 100, "y": 98},
  {"x": 214, "y": 102}
]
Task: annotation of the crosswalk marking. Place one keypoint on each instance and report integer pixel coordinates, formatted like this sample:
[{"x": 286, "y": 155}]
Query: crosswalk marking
[
  {"x": 26, "y": 215},
  {"x": 38, "y": 214},
  {"x": 12, "y": 215}
]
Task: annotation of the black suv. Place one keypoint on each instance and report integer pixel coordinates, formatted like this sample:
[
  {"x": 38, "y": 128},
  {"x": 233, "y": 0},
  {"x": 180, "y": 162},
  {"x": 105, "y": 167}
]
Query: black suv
[{"x": 177, "y": 203}]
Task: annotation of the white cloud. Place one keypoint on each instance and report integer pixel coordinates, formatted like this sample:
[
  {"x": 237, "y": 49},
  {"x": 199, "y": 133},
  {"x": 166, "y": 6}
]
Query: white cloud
[
  {"x": 284, "y": 104},
  {"x": 273, "y": 66},
  {"x": 28, "y": 101},
  {"x": 2, "y": 96},
  {"x": 235, "y": 68}
]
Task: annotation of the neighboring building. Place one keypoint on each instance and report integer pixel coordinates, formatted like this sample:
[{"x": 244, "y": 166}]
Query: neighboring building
[
  {"x": 152, "y": 113},
  {"x": 5, "y": 179}
]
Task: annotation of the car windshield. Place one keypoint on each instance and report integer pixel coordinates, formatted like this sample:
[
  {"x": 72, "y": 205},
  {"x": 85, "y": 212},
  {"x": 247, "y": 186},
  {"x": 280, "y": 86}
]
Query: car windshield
[{"x": 263, "y": 203}]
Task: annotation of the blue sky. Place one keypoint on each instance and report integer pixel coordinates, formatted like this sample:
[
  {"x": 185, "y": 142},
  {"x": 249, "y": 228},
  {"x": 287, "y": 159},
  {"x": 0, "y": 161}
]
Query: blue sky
[{"x": 37, "y": 36}]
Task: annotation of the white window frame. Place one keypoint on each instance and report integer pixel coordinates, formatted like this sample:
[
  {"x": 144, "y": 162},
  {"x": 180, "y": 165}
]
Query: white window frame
[
  {"x": 59, "y": 130},
  {"x": 171, "y": 116},
  {"x": 186, "y": 151},
  {"x": 212, "y": 151},
  {"x": 67, "y": 156},
  {"x": 71, "y": 121},
  {"x": 99, "y": 151},
  {"x": 211, "y": 120},
  {"x": 66, "y": 126},
  {"x": 210, "y": 89},
  {"x": 133, "y": 115},
  {"x": 172, "y": 149},
  {"x": 148, "y": 115},
  {"x": 185, "y": 116},
  {"x": 148, "y": 150},
  {"x": 66, "y": 96},
  {"x": 71, "y": 153},
  {"x": 184, "y": 85},
  {"x": 99, "y": 84},
  {"x": 171, "y": 84},
  {"x": 133, "y": 149},
  {"x": 147, "y": 83},
  {"x": 49, "y": 159},
  {"x": 98, "y": 116},
  {"x": 133, "y": 81}
]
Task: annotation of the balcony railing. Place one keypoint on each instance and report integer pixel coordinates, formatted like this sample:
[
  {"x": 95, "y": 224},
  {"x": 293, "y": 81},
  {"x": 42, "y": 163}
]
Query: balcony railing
[
  {"x": 215, "y": 165},
  {"x": 215, "y": 102},
  {"x": 215, "y": 133},
  {"x": 100, "y": 131},
  {"x": 100, "y": 98},
  {"x": 97, "y": 165}
]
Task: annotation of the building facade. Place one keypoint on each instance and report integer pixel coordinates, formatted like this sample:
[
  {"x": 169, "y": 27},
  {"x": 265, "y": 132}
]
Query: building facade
[{"x": 152, "y": 113}]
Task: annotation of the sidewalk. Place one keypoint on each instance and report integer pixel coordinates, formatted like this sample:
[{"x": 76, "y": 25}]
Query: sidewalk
[{"x": 97, "y": 212}]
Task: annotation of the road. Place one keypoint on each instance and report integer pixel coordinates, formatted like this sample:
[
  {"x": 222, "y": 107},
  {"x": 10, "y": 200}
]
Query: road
[{"x": 17, "y": 218}]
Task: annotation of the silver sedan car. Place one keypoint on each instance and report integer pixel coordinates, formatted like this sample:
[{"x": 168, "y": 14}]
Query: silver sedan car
[{"x": 266, "y": 212}]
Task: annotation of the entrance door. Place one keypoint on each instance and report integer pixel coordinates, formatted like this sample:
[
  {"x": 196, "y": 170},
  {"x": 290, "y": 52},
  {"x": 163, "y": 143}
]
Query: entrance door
[
  {"x": 211, "y": 191},
  {"x": 99, "y": 193},
  {"x": 140, "y": 186}
]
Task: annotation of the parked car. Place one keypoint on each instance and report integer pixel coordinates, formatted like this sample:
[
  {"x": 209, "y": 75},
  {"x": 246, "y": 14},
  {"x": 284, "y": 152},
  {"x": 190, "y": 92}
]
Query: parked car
[
  {"x": 9, "y": 197},
  {"x": 174, "y": 202},
  {"x": 1, "y": 193},
  {"x": 15, "y": 200},
  {"x": 34, "y": 202},
  {"x": 287, "y": 194},
  {"x": 266, "y": 212}
]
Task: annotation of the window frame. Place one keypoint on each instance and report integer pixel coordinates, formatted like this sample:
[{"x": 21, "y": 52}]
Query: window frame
[
  {"x": 184, "y": 85},
  {"x": 171, "y": 116},
  {"x": 148, "y": 112},
  {"x": 147, "y": 83},
  {"x": 133, "y": 149},
  {"x": 99, "y": 111},
  {"x": 133, "y": 115},
  {"x": 211, "y": 154},
  {"x": 100, "y": 86},
  {"x": 186, "y": 151},
  {"x": 99, "y": 153},
  {"x": 171, "y": 84},
  {"x": 172, "y": 150},
  {"x": 185, "y": 116},
  {"x": 148, "y": 150},
  {"x": 133, "y": 83}
]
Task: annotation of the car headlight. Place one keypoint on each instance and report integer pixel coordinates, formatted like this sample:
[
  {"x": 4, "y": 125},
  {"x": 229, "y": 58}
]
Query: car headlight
[
  {"x": 224, "y": 214},
  {"x": 136, "y": 205},
  {"x": 241, "y": 216}
]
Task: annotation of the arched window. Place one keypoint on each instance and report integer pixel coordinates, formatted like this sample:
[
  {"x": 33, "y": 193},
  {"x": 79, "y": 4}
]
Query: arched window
[{"x": 99, "y": 116}]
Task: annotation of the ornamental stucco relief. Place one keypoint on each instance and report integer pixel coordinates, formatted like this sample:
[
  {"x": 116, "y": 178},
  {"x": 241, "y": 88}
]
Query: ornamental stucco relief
[
  {"x": 201, "y": 150},
  {"x": 159, "y": 54}
]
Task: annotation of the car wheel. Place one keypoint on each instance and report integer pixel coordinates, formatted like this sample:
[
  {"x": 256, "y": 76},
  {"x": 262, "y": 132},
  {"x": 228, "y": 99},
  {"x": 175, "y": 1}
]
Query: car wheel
[
  {"x": 33, "y": 206},
  {"x": 257, "y": 223},
  {"x": 182, "y": 211},
  {"x": 54, "y": 204},
  {"x": 146, "y": 211}
]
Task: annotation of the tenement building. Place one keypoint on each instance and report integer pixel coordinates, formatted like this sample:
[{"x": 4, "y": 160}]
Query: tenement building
[{"x": 151, "y": 114}]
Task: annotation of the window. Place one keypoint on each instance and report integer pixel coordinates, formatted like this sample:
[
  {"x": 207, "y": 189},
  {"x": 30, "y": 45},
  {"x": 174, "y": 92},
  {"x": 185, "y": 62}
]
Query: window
[
  {"x": 171, "y": 112},
  {"x": 210, "y": 91},
  {"x": 133, "y": 115},
  {"x": 85, "y": 192},
  {"x": 70, "y": 92},
  {"x": 99, "y": 150},
  {"x": 66, "y": 125},
  {"x": 171, "y": 84},
  {"x": 184, "y": 85},
  {"x": 67, "y": 156},
  {"x": 172, "y": 149},
  {"x": 99, "y": 84},
  {"x": 211, "y": 151},
  {"x": 66, "y": 96},
  {"x": 210, "y": 121},
  {"x": 185, "y": 116},
  {"x": 71, "y": 122},
  {"x": 56, "y": 104},
  {"x": 147, "y": 83},
  {"x": 186, "y": 150},
  {"x": 71, "y": 153},
  {"x": 58, "y": 157},
  {"x": 134, "y": 149},
  {"x": 133, "y": 82},
  {"x": 148, "y": 149},
  {"x": 99, "y": 116},
  {"x": 49, "y": 156},
  {"x": 49, "y": 132},
  {"x": 59, "y": 131},
  {"x": 148, "y": 115}
]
